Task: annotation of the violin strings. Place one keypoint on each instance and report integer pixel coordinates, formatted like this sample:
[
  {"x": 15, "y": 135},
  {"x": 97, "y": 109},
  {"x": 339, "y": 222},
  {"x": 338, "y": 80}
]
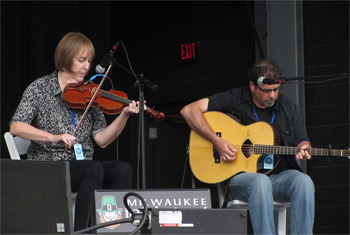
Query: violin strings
[{"x": 115, "y": 97}]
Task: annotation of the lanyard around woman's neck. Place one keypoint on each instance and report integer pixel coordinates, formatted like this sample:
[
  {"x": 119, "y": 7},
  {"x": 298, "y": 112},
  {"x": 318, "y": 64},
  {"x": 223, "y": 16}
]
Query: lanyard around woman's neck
[
  {"x": 72, "y": 117},
  {"x": 70, "y": 112}
]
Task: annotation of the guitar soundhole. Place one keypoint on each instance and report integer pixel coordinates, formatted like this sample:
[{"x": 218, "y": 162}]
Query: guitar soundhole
[{"x": 247, "y": 148}]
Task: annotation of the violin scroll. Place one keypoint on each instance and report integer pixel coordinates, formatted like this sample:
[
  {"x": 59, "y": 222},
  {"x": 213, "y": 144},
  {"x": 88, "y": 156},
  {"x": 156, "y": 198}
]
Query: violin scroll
[{"x": 159, "y": 116}]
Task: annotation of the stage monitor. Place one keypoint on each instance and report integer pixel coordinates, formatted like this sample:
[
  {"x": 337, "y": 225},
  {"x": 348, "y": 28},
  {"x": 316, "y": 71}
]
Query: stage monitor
[{"x": 109, "y": 204}]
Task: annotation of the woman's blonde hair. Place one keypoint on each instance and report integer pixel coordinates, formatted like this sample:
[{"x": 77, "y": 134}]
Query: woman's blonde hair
[{"x": 71, "y": 44}]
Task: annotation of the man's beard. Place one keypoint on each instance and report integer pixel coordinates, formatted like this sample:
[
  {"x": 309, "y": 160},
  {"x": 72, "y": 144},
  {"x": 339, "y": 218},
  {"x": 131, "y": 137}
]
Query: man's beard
[{"x": 269, "y": 103}]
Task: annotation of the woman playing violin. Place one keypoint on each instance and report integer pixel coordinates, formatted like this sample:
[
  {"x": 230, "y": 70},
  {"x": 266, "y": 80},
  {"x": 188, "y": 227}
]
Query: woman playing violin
[{"x": 43, "y": 118}]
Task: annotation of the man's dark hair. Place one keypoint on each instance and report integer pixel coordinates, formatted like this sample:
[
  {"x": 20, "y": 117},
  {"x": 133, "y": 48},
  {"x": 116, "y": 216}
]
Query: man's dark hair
[{"x": 267, "y": 67}]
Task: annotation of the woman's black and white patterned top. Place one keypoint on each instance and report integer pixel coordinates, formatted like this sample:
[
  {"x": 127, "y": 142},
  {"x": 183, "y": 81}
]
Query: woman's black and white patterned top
[{"x": 42, "y": 106}]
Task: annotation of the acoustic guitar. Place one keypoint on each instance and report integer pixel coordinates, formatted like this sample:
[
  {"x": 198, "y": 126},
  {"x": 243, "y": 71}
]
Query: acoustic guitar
[{"x": 253, "y": 143}]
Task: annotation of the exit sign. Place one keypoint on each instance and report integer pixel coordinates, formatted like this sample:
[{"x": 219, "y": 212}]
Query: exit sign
[{"x": 190, "y": 51}]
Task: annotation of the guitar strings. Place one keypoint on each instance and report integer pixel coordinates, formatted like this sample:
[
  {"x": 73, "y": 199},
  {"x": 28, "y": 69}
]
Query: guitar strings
[{"x": 272, "y": 149}]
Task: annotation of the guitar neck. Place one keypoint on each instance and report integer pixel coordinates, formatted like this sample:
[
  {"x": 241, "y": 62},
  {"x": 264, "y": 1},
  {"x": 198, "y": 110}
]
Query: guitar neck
[{"x": 285, "y": 150}]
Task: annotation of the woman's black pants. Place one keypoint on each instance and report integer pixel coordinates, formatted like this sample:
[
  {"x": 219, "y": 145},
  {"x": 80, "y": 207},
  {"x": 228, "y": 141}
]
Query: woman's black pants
[{"x": 88, "y": 176}]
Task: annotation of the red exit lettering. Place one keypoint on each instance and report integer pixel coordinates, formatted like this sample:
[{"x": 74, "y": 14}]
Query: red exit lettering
[{"x": 188, "y": 51}]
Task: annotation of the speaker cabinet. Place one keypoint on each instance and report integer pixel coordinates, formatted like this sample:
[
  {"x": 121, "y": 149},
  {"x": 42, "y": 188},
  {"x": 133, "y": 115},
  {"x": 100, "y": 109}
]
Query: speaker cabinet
[{"x": 35, "y": 197}]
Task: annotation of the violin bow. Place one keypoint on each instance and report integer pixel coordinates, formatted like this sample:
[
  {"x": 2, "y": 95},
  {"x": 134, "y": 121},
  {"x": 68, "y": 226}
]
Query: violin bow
[
  {"x": 92, "y": 99},
  {"x": 90, "y": 103}
]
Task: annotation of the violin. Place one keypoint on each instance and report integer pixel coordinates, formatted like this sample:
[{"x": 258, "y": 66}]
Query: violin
[{"x": 79, "y": 95}]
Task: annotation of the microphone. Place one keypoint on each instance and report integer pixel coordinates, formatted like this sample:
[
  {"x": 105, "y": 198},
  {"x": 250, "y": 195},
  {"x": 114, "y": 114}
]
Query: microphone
[
  {"x": 100, "y": 68},
  {"x": 269, "y": 81}
]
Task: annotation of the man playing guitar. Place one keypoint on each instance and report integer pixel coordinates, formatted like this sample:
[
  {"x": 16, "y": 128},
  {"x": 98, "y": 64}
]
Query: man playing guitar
[{"x": 261, "y": 101}]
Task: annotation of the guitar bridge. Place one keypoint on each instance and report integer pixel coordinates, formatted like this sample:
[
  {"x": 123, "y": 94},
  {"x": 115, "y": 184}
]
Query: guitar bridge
[{"x": 215, "y": 152}]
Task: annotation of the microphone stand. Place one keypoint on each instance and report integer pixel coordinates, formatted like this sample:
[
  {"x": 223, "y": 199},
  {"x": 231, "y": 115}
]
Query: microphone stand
[
  {"x": 286, "y": 79},
  {"x": 140, "y": 81},
  {"x": 142, "y": 134}
]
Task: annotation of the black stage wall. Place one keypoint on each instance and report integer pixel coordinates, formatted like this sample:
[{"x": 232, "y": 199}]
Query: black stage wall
[
  {"x": 326, "y": 52},
  {"x": 152, "y": 33}
]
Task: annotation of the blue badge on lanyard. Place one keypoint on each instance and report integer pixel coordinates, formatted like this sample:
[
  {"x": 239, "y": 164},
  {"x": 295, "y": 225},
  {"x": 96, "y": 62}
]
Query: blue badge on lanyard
[
  {"x": 79, "y": 155},
  {"x": 268, "y": 162}
]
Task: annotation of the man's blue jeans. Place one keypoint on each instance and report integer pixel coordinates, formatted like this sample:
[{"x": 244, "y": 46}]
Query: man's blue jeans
[{"x": 261, "y": 190}]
